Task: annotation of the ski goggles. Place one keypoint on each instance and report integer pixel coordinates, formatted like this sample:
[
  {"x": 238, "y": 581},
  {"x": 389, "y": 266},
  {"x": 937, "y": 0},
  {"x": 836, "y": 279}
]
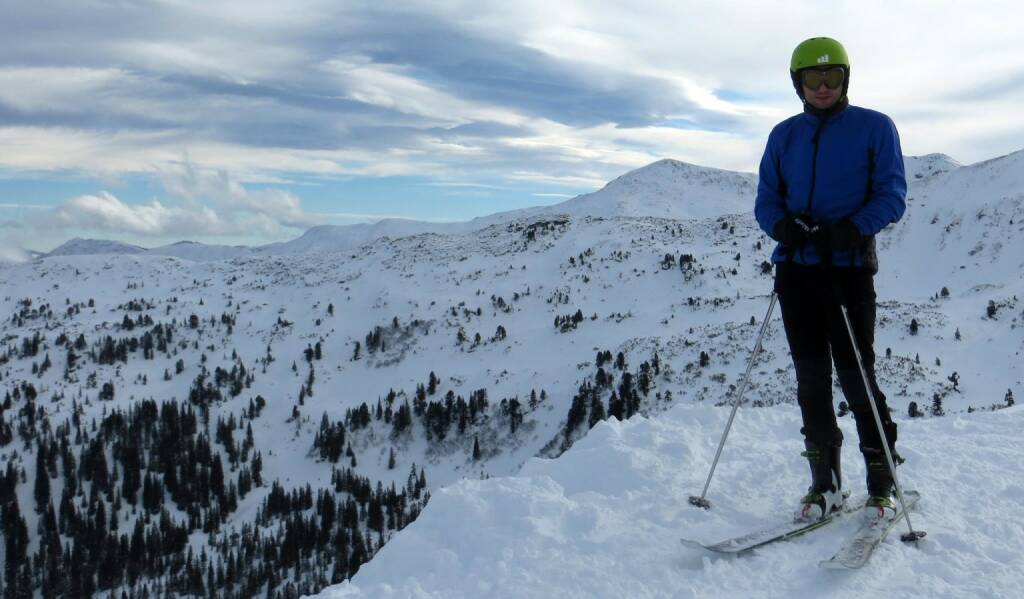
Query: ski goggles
[{"x": 832, "y": 78}]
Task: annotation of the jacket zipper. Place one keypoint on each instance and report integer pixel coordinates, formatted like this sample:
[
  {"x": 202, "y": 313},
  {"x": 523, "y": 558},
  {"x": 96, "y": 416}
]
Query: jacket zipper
[{"x": 814, "y": 176}]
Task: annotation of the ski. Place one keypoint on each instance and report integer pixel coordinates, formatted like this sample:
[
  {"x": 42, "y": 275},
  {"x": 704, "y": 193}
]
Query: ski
[
  {"x": 857, "y": 549},
  {"x": 780, "y": 532}
]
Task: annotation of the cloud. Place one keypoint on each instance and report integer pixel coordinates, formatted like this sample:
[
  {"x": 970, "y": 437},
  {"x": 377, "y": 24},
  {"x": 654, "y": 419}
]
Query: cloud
[
  {"x": 10, "y": 206},
  {"x": 216, "y": 191},
  {"x": 104, "y": 212},
  {"x": 526, "y": 95},
  {"x": 363, "y": 217},
  {"x": 326, "y": 90},
  {"x": 10, "y": 250},
  {"x": 202, "y": 203}
]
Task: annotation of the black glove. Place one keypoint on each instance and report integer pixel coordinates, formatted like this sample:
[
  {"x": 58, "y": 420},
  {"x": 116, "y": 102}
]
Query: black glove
[
  {"x": 844, "y": 235},
  {"x": 841, "y": 236},
  {"x": 795, "y": 230}
]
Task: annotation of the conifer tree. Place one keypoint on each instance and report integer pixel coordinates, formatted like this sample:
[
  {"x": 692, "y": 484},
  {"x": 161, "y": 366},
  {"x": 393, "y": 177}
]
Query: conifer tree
[
  {"x": 41, "y": 491},
  {"x": 597, "y": 413}
]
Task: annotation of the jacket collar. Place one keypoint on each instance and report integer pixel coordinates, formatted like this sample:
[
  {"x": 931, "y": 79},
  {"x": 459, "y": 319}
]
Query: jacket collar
[{"x": 830, "y": 113}]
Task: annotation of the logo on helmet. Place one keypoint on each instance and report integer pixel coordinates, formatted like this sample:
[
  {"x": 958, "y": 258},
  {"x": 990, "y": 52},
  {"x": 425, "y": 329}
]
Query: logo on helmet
[{"x": 823, "y": 59}]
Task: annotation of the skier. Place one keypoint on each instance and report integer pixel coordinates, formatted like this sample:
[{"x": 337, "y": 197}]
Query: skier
[{"x": 830, "y": 179}]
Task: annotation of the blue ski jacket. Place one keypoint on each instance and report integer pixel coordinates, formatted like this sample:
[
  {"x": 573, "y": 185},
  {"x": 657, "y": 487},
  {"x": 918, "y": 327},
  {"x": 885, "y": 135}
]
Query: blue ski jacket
[{"x": 846, "y": 165}]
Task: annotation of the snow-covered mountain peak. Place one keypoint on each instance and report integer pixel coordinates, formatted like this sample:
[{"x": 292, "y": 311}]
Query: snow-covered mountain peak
[
  {"x": 345, "y": 237},
  {"x": 919, "y": 167},
  {"x": 668, "y": 189},
  {"x": 201, "y": 252},
  {"x": 975, "y": 184},
  {"x": 89, "y": 247}
]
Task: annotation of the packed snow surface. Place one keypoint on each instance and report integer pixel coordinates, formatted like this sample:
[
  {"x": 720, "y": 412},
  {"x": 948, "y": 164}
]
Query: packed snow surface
[{"x": 605, "y": 519}]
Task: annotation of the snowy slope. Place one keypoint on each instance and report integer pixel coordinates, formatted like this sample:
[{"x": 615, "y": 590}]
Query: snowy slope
[
  {"x": 963, "y": 231},
  {"x": 605, "y": 519}
]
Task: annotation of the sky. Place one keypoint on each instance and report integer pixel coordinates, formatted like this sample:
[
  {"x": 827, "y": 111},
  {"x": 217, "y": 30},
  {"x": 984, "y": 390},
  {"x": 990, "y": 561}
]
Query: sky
[{"x": 248, "y": 122}]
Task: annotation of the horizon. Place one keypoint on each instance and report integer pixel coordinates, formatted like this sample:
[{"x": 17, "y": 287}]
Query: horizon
[
  {"x": 213, "y": 242},
  {"x": 243, "y": 125},
  {"x": 387, "y": 218}
]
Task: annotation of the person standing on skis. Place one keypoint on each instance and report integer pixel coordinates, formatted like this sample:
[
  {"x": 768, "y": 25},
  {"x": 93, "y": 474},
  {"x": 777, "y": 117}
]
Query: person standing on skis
[{"x": 831, "y": 178}]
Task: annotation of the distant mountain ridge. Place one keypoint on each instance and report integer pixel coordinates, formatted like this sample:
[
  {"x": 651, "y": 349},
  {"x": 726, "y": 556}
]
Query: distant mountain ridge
[
  {"x": 91, "y": 247},
  {"x": 663, "y": 189}
]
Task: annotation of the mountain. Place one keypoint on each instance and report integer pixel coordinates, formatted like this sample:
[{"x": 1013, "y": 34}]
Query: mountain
[
  {"x": 307, "y": 411},
  {"x": 664, "y": 189},
  {"x": 667, "y": 189},
  {"x": 91, "y": 247},
  {"x": 919, "y": 167},
  {"x": 340, "y": 238},
  {"x": 966, "y": 225},
  {"x": 201, "y": 252}
]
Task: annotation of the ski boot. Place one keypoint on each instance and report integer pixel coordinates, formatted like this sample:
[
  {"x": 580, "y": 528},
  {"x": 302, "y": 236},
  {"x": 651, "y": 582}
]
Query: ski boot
[
  {"x": 881, "y": 504},
  {"x": 825, "y": 494}
]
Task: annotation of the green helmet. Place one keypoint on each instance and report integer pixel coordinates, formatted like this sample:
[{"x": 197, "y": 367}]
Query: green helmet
[{"x": 818, "y": 52}]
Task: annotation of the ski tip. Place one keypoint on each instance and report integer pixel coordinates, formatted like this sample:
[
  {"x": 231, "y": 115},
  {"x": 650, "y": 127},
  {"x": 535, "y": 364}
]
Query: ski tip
[
  {"x": 832, "y": 564},
  {"x": 692, "y": 544},
  {"x": 913, "y": 536},
  {"x": 700, "y": 502}
]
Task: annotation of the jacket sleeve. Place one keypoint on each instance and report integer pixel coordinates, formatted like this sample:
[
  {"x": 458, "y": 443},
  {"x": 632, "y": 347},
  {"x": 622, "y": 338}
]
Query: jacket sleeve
[
  {"x": 887, "y": 198},
  {"x": 770, "y": 205}
]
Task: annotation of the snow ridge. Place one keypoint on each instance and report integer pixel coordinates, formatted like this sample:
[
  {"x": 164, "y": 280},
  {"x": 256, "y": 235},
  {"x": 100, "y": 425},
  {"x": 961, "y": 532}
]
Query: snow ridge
[{"x": 605, "y": 519}]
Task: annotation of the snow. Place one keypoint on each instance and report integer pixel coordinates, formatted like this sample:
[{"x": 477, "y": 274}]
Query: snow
[{"x": 605, "y": 519}]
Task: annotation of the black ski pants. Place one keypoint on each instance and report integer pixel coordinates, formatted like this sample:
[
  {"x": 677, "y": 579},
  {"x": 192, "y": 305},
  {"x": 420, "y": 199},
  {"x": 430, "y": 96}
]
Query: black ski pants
[{"x": 809, "y": 297}]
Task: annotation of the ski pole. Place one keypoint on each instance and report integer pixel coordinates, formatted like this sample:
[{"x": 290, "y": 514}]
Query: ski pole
[
  {"x": 701, "y": 501},
  {"x": 912, "y": 535}
]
